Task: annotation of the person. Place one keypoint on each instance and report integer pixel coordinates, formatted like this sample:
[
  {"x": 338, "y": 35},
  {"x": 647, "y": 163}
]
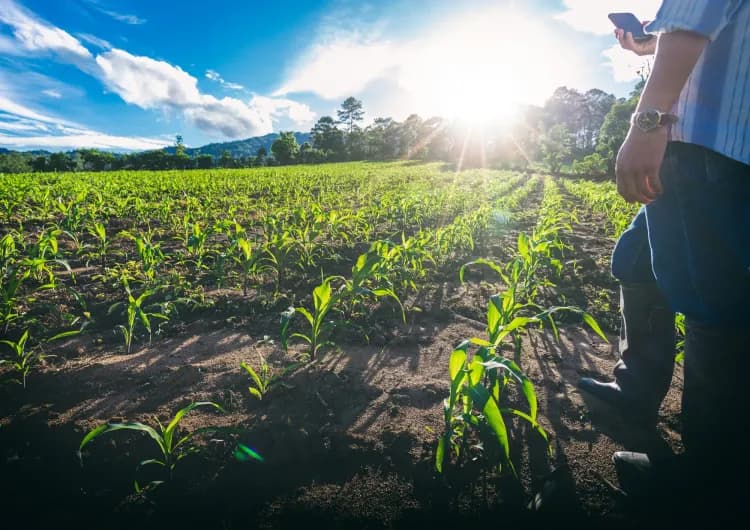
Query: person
[{"x": 686, "y": 158}]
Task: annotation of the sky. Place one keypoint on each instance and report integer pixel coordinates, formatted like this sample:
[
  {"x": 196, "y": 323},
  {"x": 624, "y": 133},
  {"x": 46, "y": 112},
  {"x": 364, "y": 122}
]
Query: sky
[{"x": 128, "y": 75}]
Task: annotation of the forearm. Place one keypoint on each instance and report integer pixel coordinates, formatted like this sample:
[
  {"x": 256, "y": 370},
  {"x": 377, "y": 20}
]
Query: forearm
[{"x": 676, "y": 56}]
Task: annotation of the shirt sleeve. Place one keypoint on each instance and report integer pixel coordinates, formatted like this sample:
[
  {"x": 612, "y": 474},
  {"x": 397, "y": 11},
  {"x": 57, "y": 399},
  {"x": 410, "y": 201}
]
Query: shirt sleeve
[{"x": 706, "y": 17}]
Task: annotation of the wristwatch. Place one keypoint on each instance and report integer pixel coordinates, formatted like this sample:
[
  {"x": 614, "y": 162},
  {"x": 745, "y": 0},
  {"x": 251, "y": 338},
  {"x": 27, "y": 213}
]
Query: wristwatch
[{"x": 651, "y": 119}]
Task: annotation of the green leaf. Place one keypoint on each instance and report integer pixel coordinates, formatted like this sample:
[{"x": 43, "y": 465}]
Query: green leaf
[
  {"x": 523, "y": 245},
  {"x": 494, "y": 419},
  {"x": 322, "y": 296},
  {"x": 440, "y": 453},
  {"x": 253, "y": 374},
  {"x": 64, "y": 334},
  {"x": 594, "y": 325},
  {"x": 112, "y": 427},
  {"x": 254, "y": 391},
  {"x": 305, "y": 313},
  {"x": 181, "y": 414},
  {"x": 494, "y": 314}
]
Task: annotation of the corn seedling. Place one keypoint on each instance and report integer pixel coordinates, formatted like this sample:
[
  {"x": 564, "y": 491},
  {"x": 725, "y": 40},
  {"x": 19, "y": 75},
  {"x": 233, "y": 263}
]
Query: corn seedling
[
  {"x": 173, "y": 446},
  {"x": 320, "y": 328},
  {"x": 136, "y": 311},
  {"x": 265, "y": 376},
  {"x": 23, "y": 360}
]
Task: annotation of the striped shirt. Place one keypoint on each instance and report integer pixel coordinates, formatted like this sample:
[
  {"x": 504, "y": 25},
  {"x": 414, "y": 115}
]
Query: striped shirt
[{"x": 714, "y": 107}]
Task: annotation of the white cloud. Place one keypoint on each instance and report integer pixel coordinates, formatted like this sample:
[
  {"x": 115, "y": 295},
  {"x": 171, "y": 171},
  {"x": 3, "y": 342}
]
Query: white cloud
[
  {"x": 90, "y": 139},
  {"x": 625, "y": 65},
  {"x": 213, "y": 75},
  {"x": 146, "y": 82},
  {"x": 299, "y": 113},
  {"x": 31, "y": 129},
  {"x": 341, "y": 68},
  {"x": 35, "y": 35},
  {"x": 591, "y": 15},
  {"x": 94, "y": 41},
  {"x": 139, "y": 80},
  {"x": 121, "y": 17},
  {"x": 16, "y": 109},
  {"x": 152, "y": 84}
]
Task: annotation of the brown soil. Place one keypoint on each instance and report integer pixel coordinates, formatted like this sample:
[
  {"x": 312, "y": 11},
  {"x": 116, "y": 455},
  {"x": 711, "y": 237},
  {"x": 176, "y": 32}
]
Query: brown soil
[{"x": 348, "y": 440}]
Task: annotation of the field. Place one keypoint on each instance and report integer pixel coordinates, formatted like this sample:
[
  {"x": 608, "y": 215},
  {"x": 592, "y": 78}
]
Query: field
[{"x": 381, "y": 345}]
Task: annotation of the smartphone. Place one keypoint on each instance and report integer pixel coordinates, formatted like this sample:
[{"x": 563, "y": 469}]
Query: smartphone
[{"x": 630, "y": 24}]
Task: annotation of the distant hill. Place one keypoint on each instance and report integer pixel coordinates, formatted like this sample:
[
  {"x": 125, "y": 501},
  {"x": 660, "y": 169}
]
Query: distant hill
[{"x": 238, "y": 148}]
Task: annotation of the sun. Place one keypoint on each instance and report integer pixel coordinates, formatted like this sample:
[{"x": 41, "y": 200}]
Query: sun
[{"x": 483, "y": 68}]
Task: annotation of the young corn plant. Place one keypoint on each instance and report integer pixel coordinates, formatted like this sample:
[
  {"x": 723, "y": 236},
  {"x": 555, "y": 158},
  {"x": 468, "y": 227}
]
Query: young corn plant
[
  {"x": 265, "y": 376},
  {"x": 512, "y": 312},
  {"x": 474, "y": 405},
  {"x": 99, "y": 232},
  {"x": 23, "y": 359},
  {"x": 320, "y": 328},
  {"x": 172, "y": 445},
  {"x": 250, "y": 261},
  {"x": 136, "y": 311},
  {"x": 366, "y": 271}
]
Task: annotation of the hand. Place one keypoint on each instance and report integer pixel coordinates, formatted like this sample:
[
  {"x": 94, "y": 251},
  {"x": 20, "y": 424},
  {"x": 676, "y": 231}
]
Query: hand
[
  {"x": 639, "y": 163},
  {"x": 647, "y": 47}
]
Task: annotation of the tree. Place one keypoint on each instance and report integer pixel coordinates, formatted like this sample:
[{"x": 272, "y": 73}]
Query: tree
[
  {"x": 181, "y": 158},
  {"x": 226, "y": 159},
  {"x": 14, "y": 163},
  {"x": 351, "y": 112},
  {"x": 328, "y": 138},
  {"x": 204, "y": 161},
  {"x": 557, "y": 147},
  {"x": 96, "y": 160},
  {"x": 382, "y": 138},
  {"x": 60, "y": 162},
  {"x": 615, "y": 127},
  {"x": 39, "y": 163},
  {"x": 285, "y": 148},
  {"x": 260, "y": 156}
]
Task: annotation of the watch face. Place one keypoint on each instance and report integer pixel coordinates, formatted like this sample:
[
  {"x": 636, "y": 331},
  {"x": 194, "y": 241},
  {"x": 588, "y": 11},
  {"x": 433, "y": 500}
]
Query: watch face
[{"x": 648, "y": 120}]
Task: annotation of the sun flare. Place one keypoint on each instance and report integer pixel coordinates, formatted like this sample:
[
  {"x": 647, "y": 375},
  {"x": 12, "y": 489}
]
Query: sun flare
[{"x": 483, "y": 68}]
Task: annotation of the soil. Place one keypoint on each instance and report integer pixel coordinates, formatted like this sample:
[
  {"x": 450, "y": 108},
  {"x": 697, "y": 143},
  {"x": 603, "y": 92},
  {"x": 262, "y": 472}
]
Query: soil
[{"x": 348, "y": 440}]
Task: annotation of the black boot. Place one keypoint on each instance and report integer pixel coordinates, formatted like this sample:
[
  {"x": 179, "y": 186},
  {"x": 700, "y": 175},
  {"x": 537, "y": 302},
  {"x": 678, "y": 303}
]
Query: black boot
[
  {"x": 715, "y": 407},
  {"x": 647, "y": 348},
  {"x": 706, "y": 486}
]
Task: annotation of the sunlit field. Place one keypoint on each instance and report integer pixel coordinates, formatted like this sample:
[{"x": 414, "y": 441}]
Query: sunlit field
[{"x": 400, "y": 329}]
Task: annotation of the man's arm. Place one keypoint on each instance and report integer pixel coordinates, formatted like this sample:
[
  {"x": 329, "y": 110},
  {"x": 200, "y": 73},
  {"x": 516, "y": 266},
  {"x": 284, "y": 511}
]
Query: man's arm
[{"x": 640, "y": 157}]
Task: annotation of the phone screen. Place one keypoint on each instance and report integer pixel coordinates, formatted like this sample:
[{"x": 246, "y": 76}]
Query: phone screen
[{"x": 630, "y": 24}]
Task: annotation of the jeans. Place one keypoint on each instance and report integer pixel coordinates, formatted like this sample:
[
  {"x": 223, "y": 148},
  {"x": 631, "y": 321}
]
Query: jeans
[{"x": 694, "y": 240}]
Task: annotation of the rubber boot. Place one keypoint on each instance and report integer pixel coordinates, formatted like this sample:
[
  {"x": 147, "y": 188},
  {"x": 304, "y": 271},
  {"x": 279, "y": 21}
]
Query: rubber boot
[
  {"x": 643, "y": 373},
  {"x": 715, "y": 407},
  {"x": 706, "y": 485}
]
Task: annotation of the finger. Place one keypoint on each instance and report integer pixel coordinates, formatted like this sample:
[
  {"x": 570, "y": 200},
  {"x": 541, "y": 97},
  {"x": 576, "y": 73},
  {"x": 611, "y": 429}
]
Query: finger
[
  {"x": 629, "y": 41},
  {"x": 654, "y": 183},
  {"x": 644, "y": 192},
  {"x": 625, "y": 186}
]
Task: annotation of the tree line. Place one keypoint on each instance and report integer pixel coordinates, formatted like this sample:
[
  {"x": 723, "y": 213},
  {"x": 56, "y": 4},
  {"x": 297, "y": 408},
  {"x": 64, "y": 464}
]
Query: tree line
[{"x": 576, "y": 132}]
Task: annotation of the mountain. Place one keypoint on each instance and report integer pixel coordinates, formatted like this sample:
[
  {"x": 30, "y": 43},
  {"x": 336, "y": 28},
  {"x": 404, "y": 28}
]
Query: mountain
[{"x": 238, "y": 148}]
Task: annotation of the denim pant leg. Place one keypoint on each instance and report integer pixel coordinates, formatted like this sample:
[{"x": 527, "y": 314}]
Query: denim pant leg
[
  {"x": 631, "y": 259},
  {"x": 699, "y": 234},
  {"x": 647, "y": 333},
  {"x": 699, "y": 231}
]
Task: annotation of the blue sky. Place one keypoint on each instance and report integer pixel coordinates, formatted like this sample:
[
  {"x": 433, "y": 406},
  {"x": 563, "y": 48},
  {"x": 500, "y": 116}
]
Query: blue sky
[{"x": 131, "y": 74}]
